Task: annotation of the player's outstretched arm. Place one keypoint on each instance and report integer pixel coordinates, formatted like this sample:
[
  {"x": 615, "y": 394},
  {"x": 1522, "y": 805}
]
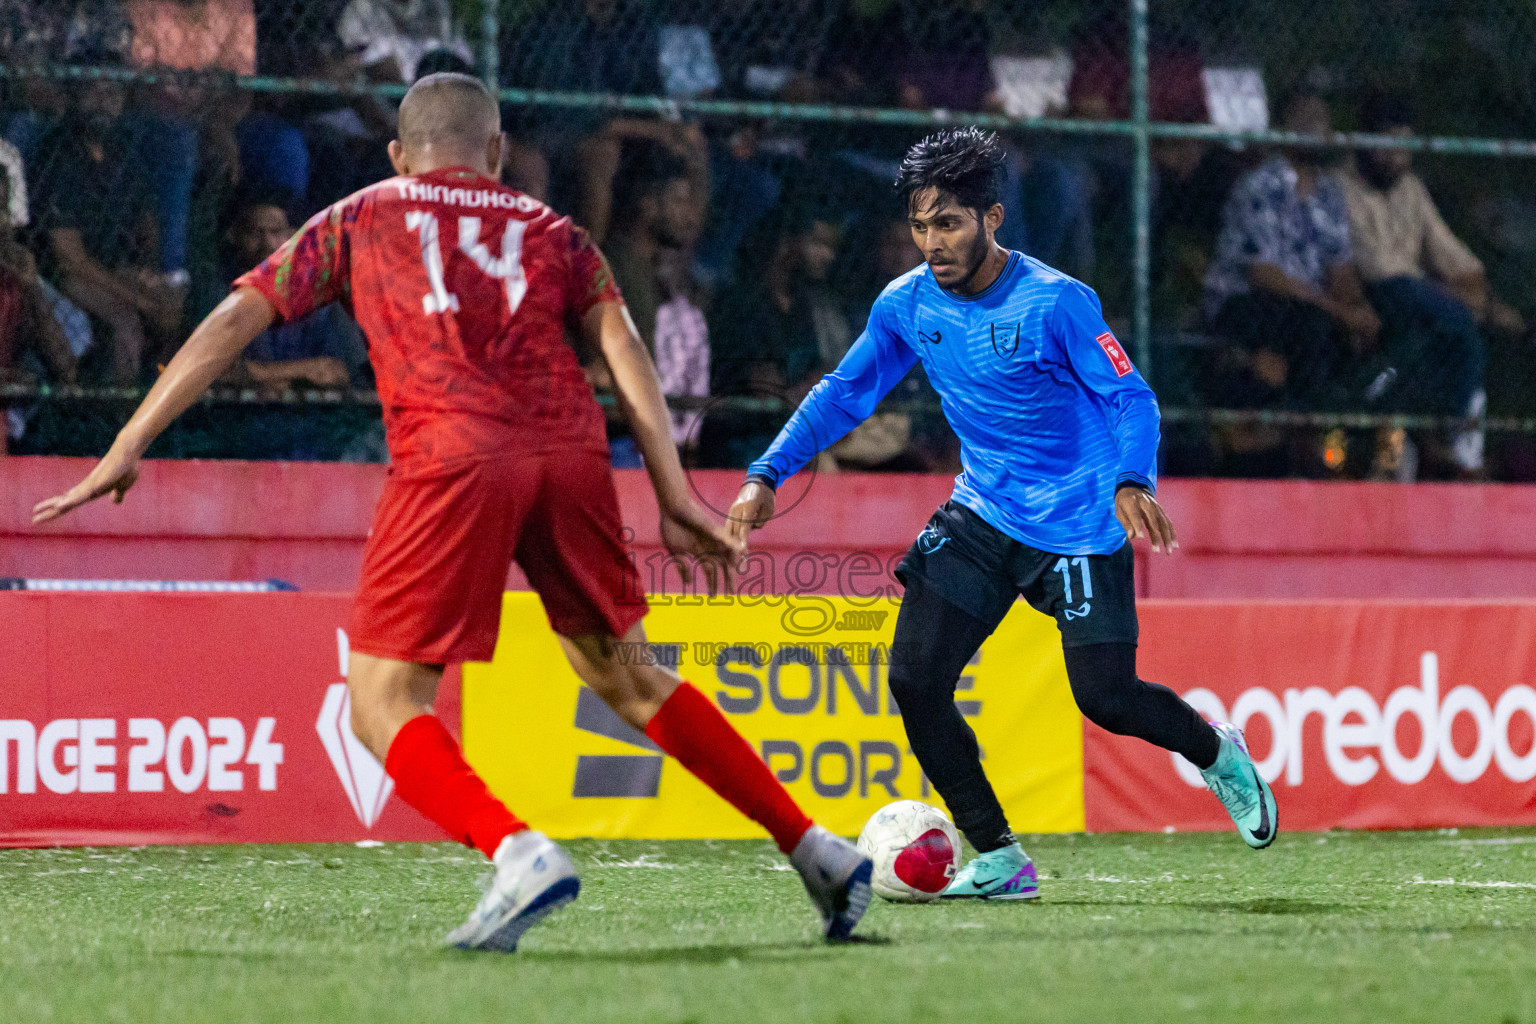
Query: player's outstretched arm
[
  {"x": 841, "y": 401},
  {"x": 686, "y": 530},
  {"x": 216, "y": 344}
]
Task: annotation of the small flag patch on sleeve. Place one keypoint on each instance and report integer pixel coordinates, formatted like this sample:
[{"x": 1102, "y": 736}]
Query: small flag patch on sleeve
[{"x": 1117, "y": 356}]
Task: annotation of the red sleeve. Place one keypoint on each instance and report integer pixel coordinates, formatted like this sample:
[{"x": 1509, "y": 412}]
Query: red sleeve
[
  {"x": 311, "y": 269},
  {"x": 591, "y": 279}
]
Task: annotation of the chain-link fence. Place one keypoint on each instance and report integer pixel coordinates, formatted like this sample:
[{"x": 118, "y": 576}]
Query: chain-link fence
[{"x": 1305, "y": 302}]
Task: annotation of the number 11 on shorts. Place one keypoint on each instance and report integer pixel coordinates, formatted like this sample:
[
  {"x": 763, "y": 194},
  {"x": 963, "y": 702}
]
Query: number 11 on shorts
[{"x": 1064, "y": 566}]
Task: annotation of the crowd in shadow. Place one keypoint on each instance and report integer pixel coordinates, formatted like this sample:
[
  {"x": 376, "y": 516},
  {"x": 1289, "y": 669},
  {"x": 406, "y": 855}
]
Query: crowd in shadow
[{"x": 748, "y": 248}]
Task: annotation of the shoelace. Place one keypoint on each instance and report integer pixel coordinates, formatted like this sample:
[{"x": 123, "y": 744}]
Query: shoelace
[{"x": 1231, "y": 790}]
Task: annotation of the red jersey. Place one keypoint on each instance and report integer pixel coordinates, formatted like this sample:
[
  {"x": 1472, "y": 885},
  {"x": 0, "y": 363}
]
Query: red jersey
[{"x": 464, "y": 289}]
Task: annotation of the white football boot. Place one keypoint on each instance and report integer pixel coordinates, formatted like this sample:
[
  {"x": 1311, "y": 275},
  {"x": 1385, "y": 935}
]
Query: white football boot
[
  {"x": 836, "y": 875},
  {"x": 533, "y": 878}
]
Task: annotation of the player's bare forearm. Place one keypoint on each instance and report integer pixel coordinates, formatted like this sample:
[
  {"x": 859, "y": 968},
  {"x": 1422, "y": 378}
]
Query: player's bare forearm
[
  {"x": 212, "y": 349},
  {"x": 640, "y": 400},
  {"x": 216, "y": 344},
  {"x": 691, "y": 536}
]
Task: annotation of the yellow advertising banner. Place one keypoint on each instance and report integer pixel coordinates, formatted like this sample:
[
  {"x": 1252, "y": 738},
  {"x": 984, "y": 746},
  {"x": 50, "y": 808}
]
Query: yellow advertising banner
[{"x": 804, "y": 680}]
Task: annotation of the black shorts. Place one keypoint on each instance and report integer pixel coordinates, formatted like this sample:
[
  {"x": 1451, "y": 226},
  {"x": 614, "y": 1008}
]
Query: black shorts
[{"x": 982, "y": 570}]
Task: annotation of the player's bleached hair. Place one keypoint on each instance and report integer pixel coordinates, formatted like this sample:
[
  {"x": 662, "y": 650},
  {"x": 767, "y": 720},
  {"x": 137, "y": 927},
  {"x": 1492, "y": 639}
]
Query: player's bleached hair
[
  {"x": 965, "y": 164},
  {"x": 448, "y": 109}
]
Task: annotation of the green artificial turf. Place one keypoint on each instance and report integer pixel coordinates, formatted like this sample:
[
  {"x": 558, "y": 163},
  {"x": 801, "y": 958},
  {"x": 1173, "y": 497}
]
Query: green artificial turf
[{"x": 1322, "y": 927}]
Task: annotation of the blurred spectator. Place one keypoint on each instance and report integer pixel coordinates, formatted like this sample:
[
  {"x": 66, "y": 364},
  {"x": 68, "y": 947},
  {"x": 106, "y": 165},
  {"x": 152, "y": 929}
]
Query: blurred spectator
[
  {"x": 793, "y": 327},
  {"x": 38, "y": 32},
  {"x": 177, "y": 125},
  {"x": 779, "y": 335},
  {"x": 1097, "y": 169},
  {"x": 626, "y": 152},
  {"x": 586, "y": 45},
  {"x": 1100, "y": 87},
  {"x": 390, "y": 37},
  {"x": 655, "y": 225},
  {"x": 858, "y": 65},
  {"x": 682, "y": 346},
  {"x": 888, "y": 253},
  {"x": 1427, "y": 286},
  {"x": 746, "y": 183},
  {"x": 1193, "y": 184},
  {"x": 346, "y": 136},
  {"x": 324, "y": 349},
  {"x": 272, "y": 150},
  {"x": 767, "y": 48},
  {"x": 934, "y": 447},
  {"x": 26, "y": 312},
  {"x": 946, "y": 61},
  {"x": 1283, "y": 287},
  {"x": 289, "y": 35},
  {"x": 1048, "y": 204},
  {"x": 97, "y": 218},
  {"x": 525, "y": 168},
  {"x": 18, "y": 212},
  {"x": 33, "y": 341},
  {"x": 194, "y": 35}
]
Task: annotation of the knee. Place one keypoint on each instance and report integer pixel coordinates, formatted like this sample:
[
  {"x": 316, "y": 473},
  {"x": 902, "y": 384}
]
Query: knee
[
  {"x": 368, "y": 718},
  {"x": 913, "y": 686},
  {"x": 385, "y": 695},
  {"x": 1105, "y": 685},
  {"x": 905, "y": 690},
  {"x": 1105, "y": 712}
]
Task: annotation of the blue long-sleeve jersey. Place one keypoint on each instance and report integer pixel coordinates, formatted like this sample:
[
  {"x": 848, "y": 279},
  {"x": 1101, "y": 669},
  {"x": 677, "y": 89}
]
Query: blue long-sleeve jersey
[{"x": 1050, "y": 413}]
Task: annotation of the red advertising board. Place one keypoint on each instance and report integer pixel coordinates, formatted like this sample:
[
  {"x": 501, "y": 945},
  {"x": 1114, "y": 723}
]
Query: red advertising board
[
  {"x": 1361, "y": 715},
  {"x": 159, "y": 718},
  {"x": 153, "y": 718}
]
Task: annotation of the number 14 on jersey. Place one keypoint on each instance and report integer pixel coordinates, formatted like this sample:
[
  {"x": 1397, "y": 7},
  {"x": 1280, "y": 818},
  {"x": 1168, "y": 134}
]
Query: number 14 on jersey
[{"x": 507, "y": 268}]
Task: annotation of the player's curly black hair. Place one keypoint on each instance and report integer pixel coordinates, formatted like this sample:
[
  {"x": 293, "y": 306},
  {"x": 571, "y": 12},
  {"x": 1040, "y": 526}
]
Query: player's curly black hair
[{"x": 965, "y": 163}]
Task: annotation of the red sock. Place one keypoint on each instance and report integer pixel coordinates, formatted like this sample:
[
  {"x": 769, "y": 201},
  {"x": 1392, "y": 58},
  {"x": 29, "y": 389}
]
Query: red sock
[
  {"x": 690, "y": 728},
  {"x": 432, "y": 776}
]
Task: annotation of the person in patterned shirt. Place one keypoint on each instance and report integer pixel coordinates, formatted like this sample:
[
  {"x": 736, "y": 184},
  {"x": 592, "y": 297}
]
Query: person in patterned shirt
[
  {"x": 464, "y": 289},
  {"x": 1283, "y": 286}
]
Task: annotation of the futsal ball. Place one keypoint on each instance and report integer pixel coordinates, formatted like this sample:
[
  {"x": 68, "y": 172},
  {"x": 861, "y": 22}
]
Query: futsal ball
[{"x": 915, "y": 848}]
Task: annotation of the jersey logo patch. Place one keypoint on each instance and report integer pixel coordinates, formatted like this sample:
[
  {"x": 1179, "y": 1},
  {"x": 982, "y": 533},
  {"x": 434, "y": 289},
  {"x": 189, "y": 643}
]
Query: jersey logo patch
[
  {"x": 1117, "y": 356},
  {"x": 929, "y": 339},
  {"x": 1006, "y": 348}
]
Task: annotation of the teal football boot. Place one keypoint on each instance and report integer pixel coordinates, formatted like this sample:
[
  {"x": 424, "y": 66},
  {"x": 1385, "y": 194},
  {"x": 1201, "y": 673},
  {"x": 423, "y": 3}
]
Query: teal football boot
[
  {"x": 1240, "y": 788},
  {"x": 1006, "y": 874}
]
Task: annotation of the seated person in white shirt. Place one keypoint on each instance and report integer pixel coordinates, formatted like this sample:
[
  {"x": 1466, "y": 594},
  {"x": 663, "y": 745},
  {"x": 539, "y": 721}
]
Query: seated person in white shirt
[{"x": 1426, "y": 285}]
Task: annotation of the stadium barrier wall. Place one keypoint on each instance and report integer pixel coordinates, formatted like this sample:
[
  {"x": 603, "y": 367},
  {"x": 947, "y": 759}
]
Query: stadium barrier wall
[
  {"x": 306, "y": 523},
  {"x": 146, "y": 718},
  {"x": 1360, "y": 715},
  {"x": 185, "y": 718}
]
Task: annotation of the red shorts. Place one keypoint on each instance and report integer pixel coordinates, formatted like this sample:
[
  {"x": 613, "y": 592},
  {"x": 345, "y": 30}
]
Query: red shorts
[{"x": 442, "y": 541}]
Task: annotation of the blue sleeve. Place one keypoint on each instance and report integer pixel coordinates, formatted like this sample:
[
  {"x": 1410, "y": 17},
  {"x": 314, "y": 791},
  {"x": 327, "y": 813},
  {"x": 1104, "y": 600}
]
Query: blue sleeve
[
  {"x": 1100, "y": 362},
  {"x": 841, "y": 400}
]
